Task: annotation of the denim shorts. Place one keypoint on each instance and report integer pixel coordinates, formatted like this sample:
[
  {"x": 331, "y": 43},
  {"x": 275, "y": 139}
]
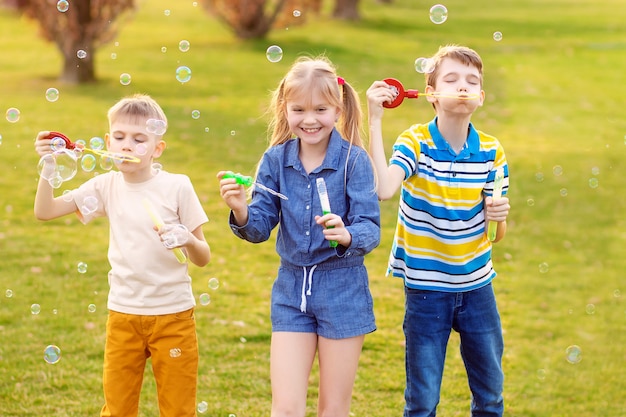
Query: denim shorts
[{"x": 334, "y": 303}]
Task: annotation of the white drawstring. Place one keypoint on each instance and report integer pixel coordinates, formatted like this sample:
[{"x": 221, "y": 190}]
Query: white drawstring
[{"x": 308, "y": 292}]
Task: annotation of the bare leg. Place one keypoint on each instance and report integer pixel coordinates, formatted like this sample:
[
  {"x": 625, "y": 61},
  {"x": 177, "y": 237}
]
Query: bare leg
[
  {"x": 339, "y": 359},
  {"x": 291, "y": 359}
]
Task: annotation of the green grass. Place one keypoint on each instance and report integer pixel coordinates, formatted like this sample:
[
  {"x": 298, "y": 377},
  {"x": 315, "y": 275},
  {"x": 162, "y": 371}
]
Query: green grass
[{"x": 555, "y": 93}]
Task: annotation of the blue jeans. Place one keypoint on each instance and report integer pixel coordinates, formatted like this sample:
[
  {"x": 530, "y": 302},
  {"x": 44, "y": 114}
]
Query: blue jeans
[{"x": 429, "y": 318}]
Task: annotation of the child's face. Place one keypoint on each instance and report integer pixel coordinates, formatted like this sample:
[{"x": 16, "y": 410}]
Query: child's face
[
  {"x": 311, "y": 117},
  {"x": 129, "y": 136},
  {"x": 458, "y": 87}
]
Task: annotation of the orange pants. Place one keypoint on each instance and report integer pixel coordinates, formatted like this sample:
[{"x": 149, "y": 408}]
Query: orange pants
[{"x": 171, "y": 341}]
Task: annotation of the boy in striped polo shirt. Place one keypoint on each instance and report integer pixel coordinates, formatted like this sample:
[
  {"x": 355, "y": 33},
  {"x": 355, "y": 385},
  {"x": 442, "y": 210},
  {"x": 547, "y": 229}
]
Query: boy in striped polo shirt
[{"x": 446, "y": 170}]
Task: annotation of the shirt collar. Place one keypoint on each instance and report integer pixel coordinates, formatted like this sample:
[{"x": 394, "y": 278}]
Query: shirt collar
[
  {"x": 472, "y": 144},
  {"x": 333, "y": 153}
]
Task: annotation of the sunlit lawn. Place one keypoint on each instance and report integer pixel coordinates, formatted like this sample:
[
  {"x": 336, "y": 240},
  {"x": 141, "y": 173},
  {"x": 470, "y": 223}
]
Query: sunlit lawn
[{"x": 555, "y": 98}]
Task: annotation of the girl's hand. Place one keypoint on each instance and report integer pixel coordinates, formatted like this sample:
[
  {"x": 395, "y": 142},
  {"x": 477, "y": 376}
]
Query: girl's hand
[
  {"x": 379, "y": 93},
  {"x": 235, "y": 197},
  {"x": 334, "y": 229},
  {"x": 496, "y": 210}
]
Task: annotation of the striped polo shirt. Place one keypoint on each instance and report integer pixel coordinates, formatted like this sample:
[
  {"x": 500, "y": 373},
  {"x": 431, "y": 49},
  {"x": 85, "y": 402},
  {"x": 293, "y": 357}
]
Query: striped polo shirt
[{"x": 440, "y": 241}]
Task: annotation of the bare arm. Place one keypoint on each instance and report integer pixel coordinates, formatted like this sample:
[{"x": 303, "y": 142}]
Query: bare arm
[
  {"x": 389, "y": 177},
  {"x": 197, "y": 248}
]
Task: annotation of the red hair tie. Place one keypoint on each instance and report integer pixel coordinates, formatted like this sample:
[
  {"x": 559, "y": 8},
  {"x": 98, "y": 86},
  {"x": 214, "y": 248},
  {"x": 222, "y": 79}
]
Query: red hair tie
[{"x": 340, "y": 81}]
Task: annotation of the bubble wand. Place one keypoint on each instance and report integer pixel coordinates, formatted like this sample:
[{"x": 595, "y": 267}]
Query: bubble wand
[
  {"x": 158, "y": 222},
  {"x": 492, "y": 228},
  {"x": 247, "y": 181},
  {"x": 107, "y": 154},
  {"x": 323, "y": 193},
  {"x": 411, "y": 93}
]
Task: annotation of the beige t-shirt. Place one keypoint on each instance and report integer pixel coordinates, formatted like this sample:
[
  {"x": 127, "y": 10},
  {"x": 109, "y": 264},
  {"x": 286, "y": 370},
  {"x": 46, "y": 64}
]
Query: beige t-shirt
[{"x": 145, "y": 277}]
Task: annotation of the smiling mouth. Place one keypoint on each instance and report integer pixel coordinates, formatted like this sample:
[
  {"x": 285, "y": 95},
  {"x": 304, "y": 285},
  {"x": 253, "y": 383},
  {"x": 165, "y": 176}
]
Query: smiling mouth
[{"x": 311, "y": 129}]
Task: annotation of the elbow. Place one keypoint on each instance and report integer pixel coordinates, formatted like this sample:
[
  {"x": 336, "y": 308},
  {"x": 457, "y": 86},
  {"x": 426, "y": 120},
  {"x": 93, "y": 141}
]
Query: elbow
[{"x": 383, "y": 196}]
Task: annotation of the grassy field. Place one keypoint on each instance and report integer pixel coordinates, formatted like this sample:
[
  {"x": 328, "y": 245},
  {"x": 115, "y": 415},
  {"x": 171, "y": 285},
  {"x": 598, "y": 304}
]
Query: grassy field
[{"x": 555, "y": 98}]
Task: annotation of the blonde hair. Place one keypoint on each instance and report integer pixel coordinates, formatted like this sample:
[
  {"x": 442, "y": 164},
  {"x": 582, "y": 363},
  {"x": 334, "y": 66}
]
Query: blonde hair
[
  {"x": 458, "y": 53},
  {"x": 307, "y": 74},
  {"x": 136, "y": 107}
]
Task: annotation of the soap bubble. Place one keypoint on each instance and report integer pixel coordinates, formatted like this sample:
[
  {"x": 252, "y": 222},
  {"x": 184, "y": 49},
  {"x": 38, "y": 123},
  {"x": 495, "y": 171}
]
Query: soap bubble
[
  {"x": 96, "y": 143},
  {"x": 297, "y": 13},
  {"x": 497, "y": 36},
  {"x": 424, "y": 65},
  {"x": 106, "y": 163},
  {"x": 88, "y": 162},
  {"x": 90, "y": 204},
  {"x": 141, "y": 149},
  {"x": 63, "y": 6},
  {"x": 52, "y": 354},
  {"x": 57, "y": 143},
  {"x": 156, "y": 126},
  {"x": 214, "y": 283},
  {"x": 203, "y": 407},
  {"x": 205, "y": 299},
  {"x": 8, "y": 293},
  {"x": 125, "y": 78},
  {"x": 175, "y": 352},
  {"x": 183, "y": 45},
  {"x": 274, "y": 53},
  {"x": 60, "y": 166},
  {"x": 195, "y": 114},
  {"x": 438, "y": 14},
  {"x": 13, "y": 115},
  {"x": 81, "y": 267},
  {"x": 544, "y": 267},
  {"x": 52, "y": 94},
  {"x": 35, "y": 309},
  {"x": 573, "y": 354},
  {"x": 91, "y": 308},
  {"x": 81, "y": 54},
  {"x": 183, "y": 74}
]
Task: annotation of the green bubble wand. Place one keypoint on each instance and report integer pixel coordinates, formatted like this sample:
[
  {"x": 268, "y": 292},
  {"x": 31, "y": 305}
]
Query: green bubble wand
[
  {"x": 492, "y": 228},
  {"x": 247, "y": 181}
]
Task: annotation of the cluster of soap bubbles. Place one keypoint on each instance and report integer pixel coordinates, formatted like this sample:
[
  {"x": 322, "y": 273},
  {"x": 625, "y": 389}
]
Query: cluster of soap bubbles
[
  {"x": 439, "y": 14},
  {"x": 205, "y": 298},
  {"x": 156, "y": 126}
]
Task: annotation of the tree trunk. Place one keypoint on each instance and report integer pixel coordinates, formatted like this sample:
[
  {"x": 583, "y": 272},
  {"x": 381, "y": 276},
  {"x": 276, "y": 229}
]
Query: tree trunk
[
  {"x": 346, "y": 10},
  {"x": 78, "y": 70}
]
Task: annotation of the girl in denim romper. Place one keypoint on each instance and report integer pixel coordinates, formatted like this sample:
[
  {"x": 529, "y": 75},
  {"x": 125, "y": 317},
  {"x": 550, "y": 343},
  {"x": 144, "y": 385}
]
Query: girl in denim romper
[{"x": 321, "y": 300}]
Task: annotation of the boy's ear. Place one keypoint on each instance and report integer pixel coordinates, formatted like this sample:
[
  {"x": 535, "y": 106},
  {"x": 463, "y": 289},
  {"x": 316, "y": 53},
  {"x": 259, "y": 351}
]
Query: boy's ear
[
  {"x": 160, "y": 147},
  {"x": 107, "y": 139},
  {"x": 428, "y": 91}
]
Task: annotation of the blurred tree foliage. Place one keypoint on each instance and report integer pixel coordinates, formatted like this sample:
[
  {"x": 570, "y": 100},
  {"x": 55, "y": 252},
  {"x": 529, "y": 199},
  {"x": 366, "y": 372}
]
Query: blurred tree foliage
[{"x": 77, "y": 27}]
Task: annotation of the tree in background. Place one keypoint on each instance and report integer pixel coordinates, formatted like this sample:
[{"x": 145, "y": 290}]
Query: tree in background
[
  {"x": 250, "y": 19},
  {"x": 255, "y": 18},
  {"x": 77, "y": 27}
]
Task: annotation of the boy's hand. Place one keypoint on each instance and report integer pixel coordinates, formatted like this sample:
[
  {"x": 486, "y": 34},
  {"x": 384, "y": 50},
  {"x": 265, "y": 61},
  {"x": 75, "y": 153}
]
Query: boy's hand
[
  {"x": 379, "y": 93},
  {"x": 174, "y": 235},
  {"x": 334, "y": 229},
  {"x": 496, "y": 210},
  {"x": 42, "y": 143}
]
